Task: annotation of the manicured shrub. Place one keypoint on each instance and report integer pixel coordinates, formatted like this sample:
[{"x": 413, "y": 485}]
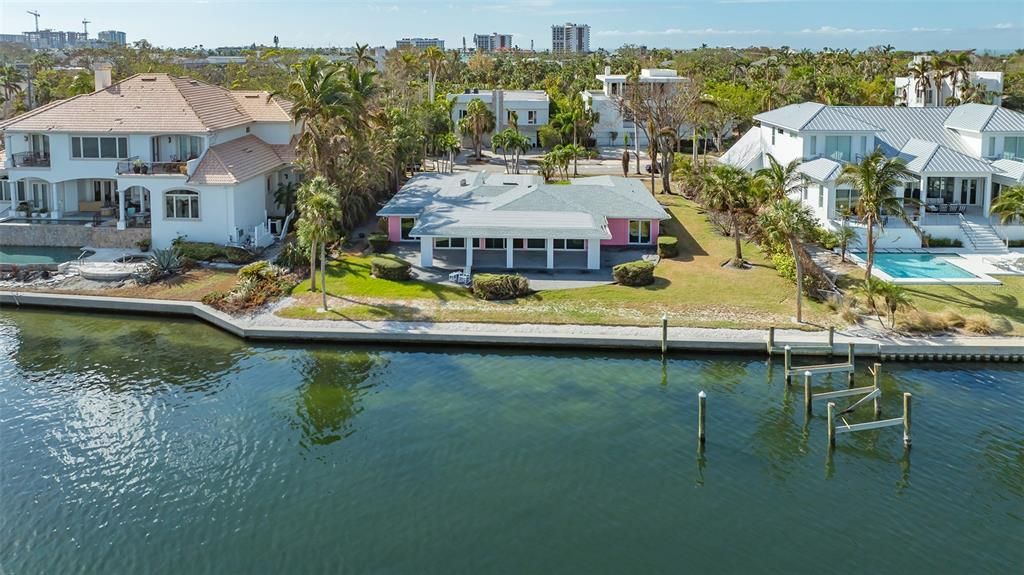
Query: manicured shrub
[
  {"x": 389, "y": 268},
  {"x": 379, "y": 242},
  {"x": 293, "y": 257},
  {"x": 668, "y": 246},
  {"x": 944, "y": 243},
  {"x": 238, "y": 255},
  {"x": 500, "y": 286},
  {"x": 638, "y": 273},
  {"x": 208, "y": 252},
  {"x": 785, "y": 265}
]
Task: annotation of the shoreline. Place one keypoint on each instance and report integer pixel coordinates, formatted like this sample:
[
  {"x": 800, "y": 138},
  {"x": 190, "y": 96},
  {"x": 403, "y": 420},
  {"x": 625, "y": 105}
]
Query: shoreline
[{"x": 267, "y": 327}]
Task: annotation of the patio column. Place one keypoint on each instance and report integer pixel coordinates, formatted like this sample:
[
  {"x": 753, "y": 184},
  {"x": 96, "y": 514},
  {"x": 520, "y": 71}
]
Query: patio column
[
  {"x": 593, "y": 254},
  {"x": 549, "y": 245},
  {"x": 121, "y": 223},
  {"x": 986, "y": 198},
  {"x": 469, "y": 254},
  {"x": 142, "y": 199},
  {"x": 54, "y": 200},
  {"x": 12, "y": 186},
  {"x": 508, "y": 253},
  {"x": 924, "y": 199},
  {"x": 426, "y": 251}
]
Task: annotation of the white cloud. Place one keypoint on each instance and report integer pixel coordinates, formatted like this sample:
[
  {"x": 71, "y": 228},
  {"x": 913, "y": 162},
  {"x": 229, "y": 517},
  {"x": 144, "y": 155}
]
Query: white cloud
[
  {"x": 842, "y": 31},
  {"x": 1005, "y": 26}
]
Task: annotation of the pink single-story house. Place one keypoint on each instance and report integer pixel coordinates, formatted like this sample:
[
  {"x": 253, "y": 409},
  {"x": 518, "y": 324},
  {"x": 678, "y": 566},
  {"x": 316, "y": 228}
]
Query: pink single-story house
[{"x": 480, "y": 214}]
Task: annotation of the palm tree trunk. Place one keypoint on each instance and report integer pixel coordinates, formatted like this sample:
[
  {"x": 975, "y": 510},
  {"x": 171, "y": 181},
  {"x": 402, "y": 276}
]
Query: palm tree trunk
[
  {"x": 575, "y": 171},
  {"x": 323, "y": 275},
  {"x": 312, "y": 267},
  {"x": 795, "y": 247},
  {"x": 738, "y": 259},
  {"x": 871, "y": 248}
]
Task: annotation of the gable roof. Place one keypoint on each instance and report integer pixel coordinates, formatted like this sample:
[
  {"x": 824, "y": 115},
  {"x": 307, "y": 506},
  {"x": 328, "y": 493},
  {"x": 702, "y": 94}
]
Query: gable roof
[
  {"x": 984, "y": 118},
  {"x": 820, "y": 169},
  {"x": 1009, "y": 169},
  {"x": 928, "y": 157},
  {"x": 150, "y": 103},
  {"x": 236, "y": 161},
  {"x": 793, "y": 116}
]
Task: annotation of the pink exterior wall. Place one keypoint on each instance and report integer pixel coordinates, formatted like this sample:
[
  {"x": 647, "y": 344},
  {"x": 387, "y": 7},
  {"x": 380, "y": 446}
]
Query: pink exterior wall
[
  {"x": 619, "y": 229},
  {"x": 395, "y": 228}
]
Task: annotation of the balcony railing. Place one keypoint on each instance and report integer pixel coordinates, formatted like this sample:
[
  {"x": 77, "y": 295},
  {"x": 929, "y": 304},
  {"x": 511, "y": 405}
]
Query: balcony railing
[
  {"x": 30, "y": 160},
  {"x": 135, "y": 166}
]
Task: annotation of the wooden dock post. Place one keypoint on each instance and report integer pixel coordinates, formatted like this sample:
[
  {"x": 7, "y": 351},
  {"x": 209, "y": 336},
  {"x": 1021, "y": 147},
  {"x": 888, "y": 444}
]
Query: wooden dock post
[
  {"x": 702, "y": 399},
  {"x": 831, "y": 339},
  {"x": 787, "y": 360},
  {"x": 849, "y": 356},
  {"x": 664, "y": 333},
  {"x": 906, "y": 419},
  {"x": 771, "y": 340},
  {"x": 807, "y": 393},
  {"x": 831, "y": 424},
  {"x": 878, "y": 398}
]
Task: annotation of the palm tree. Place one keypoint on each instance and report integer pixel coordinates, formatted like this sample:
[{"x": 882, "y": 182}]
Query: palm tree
[
  {"x": 435, "y": 63},
  {"x": 318, "y": 203},
  {"x": 940, "y": 71},
  {"x": 728, "y": 189},
  {"x": 361, "y": 58},
  {"x": 1009, "y": 206},
  {"x": 845, "y": 237},
  {"x": 518, "y": 144},
  {"x": 447, "y": 144},
  {"x": 318, "y": 94},
  {"x": 478, "y": 121},
  {"x": 921, "y": 72},
  {"x": 788, "y": 221},
  {"x": 875, "y": 178},
  {"x": 959, "y": 72},
  {"x": 11, "y": 79},
  {"x": 895, "y": 298},
  {"x": 779, "y": 182}
]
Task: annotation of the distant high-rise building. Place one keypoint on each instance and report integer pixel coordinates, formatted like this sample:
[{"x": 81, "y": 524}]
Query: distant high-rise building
[
  {"x": 115, "y": 37},
  {"x": 419, "y": 43},
  {"x": 493, "y": 42},
  {"x": 13, "y": 38},
  {"x": 570, "y": 38}
]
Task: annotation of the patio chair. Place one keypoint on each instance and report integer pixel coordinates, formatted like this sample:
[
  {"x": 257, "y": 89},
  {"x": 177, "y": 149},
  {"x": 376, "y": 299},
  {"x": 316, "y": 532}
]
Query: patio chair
[{"x": 454, "y": 276}]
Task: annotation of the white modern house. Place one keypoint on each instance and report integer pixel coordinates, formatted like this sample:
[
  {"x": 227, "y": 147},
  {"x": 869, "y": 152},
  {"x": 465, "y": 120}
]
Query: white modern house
[
  {"x": 175, "y": 155},
  {"x": 529, "y": 108},
  {"x": 497, "y": 221},
  {"x": 960, "y": 158},
  {"x": 612, "y": 123},
  {"x": 913, "y": 93}
]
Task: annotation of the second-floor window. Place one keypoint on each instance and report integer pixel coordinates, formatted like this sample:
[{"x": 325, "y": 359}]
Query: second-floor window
[
  {"x": 531, "y": 117},
  {"x": 838, "y": 148},
  {"x": 1013, "y": 147},
  {"x": 189, "y": 147},
  {"x": 106, "y": 147}
]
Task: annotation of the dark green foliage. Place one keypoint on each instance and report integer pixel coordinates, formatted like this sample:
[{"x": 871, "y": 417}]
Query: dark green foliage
[
  {"x": 390, "y": 268},
  {"x": 668, "y": 246},
  {"x": 638, "y": 273},
  {"x": 208, "y": 252},
  {"x": 500, "y": 286},
  {"x": 292, "y": 257},
  {"x": 258, "y": 283},
  {"x": 378, "y": 242},
  {"x": 944, "y": 243}
]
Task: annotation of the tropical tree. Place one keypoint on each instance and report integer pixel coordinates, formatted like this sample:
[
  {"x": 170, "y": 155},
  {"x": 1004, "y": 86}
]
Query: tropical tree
[
  {"x": 895, "y": 298},
  {"x": 318, "y": 94},
  {"x": 318, "y": 203},
  {"x": 435, "y": 63},
  {"x": 478, "y": 121},
  {"x": 789, "y": 222},
  {"x": 959, "y": 73},
  {"x": 874, "y": 179},
  {"x": 284, "y": 195},
  {"x": 940, "y": 71},
  {"x": 361, "y": 58},
  {"x": 778, "y": 182},
  {"x": 921, "y": 72},
  {"x": 11, "y": 79},
  {"x": 447, "y": 145},
  {"x": 1009, "y": 206},
  {"x": 82, "y": 84},
  {"x": 845, "y": 237},
  {"x": 727, "y": 189}
]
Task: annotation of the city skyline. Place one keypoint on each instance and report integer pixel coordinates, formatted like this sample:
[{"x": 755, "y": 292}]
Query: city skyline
[{"x": 949, "y": 24}]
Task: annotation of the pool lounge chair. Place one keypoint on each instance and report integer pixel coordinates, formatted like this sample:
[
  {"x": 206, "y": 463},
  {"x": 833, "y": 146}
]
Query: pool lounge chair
[{"x": 1012, "y": 262}]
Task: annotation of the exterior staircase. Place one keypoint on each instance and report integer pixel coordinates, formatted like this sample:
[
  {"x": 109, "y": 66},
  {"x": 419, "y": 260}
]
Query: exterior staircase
[{"x": 982, "y": 238}]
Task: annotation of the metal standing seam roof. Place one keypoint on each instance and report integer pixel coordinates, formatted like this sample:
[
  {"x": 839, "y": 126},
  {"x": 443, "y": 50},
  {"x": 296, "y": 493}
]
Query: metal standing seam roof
[
  {"x": 815, "y": 117},
  {"x": 1009, "y": 169},
  {"x": 984, "y": 118},
  {"x": 150, "y": 103},
  {"x": 821, "y": 169},
  {"x": 924, "y": 157}
]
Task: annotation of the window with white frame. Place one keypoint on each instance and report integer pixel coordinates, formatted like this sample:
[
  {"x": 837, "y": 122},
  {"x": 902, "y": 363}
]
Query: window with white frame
[
  {"x": 99, "y": 147},
  {"x": 529, "y": 244},
  {"x": 639, "y": 231},
  {"x": 445, "y": 243},
  {"x": 1013, "y": 147},
  {"x": 838, "y": 148},
  {"x": 531, "y": 117},
  {"x": 189, "y": 147},
  {"x": 494, "y": 243},
  {"x": 992, "y": 147},
  {"x": 570, "y": 245},
  {"x": 181, "y": 205}
]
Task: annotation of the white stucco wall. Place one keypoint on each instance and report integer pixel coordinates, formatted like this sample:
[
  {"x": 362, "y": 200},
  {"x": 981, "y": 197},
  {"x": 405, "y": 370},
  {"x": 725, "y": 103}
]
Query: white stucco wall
[
  {"x": 213, "y": 225},
  {"x": 787, "y": 147}
]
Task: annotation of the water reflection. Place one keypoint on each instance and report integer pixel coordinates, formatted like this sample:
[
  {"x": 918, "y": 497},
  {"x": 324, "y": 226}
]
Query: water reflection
[{"x": 329, "y": 399}]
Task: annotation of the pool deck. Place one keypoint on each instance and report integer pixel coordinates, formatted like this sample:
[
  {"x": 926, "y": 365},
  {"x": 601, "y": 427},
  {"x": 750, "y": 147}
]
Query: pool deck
[
  {"x": 268, "y": 327},
  {"x": 974, "y": 263}
]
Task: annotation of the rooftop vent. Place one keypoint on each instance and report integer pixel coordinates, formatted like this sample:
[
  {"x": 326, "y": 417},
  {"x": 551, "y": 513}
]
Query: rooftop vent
[
  {"x": 463, "y": 182},
  {"x": 149, "y": 79},
  {"x": 476, "y": 90},
  {"x": 467, "y": 91}
]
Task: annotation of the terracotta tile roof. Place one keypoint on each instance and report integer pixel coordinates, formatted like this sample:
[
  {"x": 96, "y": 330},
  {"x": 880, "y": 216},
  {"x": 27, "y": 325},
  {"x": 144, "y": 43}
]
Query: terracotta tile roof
[
  {"x": 288, "y": 152},
  {"x": 260, "y": 106},
  {"x": 238, "y": 160},
  {"x": 151, "y": 103}
]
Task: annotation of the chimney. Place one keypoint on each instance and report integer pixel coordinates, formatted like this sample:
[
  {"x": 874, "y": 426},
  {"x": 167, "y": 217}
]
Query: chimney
[
  {"x": 607, "y": 70},
  {"x": 101, "y": 71}
]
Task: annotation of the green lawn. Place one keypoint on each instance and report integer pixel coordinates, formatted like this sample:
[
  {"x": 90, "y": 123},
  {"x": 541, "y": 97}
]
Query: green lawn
[{"x": 693, "y": 289}]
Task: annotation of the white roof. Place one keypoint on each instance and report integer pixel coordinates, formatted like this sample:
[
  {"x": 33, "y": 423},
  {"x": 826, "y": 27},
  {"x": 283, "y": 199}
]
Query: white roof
[
  {"x": 821, "y": 169},
  {"x": 984, "y": 118},
  {"x": 925, "y": 157}
]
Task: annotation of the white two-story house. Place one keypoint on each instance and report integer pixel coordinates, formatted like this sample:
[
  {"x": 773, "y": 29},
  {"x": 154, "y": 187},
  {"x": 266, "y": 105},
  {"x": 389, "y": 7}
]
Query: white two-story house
[
  {"x": 529, "y": 109},
  {"x": 914, "y": 93},
  {"x": 614, "y": 120},
  {"x": 179, "y": 156},
  {"x": 960, "y": 158}
]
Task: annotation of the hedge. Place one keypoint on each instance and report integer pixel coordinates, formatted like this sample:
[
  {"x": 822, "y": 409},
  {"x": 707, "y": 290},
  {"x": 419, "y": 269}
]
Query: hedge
[
  {"x": 500, "y": 286},
  {"x": 390, "y": 268},
  {"x": 208, "y": 252},
  {"x": 378, "y": 242},
  {"x": 668, "y": 246},
  {"x": 638, "y": 273}
]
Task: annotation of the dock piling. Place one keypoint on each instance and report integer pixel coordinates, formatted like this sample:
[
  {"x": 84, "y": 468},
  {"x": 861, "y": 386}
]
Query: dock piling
[
  {"x": 702, "y": 399},
  {"x": 831, "y": 340},
  {"x": 807, "y": 393},
  {"x": 771, "y": 340},
  {"x": 878, "y": 398},
  {"x": 906, "y": 419},
  {"x": 831, "y": 424},
  {"x": 664, "y": 333},
  {"x": 850, "y": 358},
  {"x": 787, "y": 360}
]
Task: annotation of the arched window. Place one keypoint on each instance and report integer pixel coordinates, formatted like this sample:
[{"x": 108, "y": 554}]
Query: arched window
[{"x": 181, "y": 205}]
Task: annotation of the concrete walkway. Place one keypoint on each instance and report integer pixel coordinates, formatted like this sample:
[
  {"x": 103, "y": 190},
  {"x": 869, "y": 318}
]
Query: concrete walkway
[{"x": 266, "y": 326}]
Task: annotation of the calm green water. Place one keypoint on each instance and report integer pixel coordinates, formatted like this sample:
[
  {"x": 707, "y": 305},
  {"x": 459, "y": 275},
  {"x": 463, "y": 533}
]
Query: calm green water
[
  {"x": 163, "y": 446},
  {"x": 21, "y": 255}
]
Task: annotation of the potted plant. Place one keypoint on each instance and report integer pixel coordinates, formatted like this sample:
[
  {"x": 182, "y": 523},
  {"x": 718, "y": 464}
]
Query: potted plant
[
  {"x": 183, "y": 168},
  {"x": 144, "y": 244},
  {"x": 25, "y": 208},
  {"x": 137, "y": 166},
  {"x": 43, "y": 212}
]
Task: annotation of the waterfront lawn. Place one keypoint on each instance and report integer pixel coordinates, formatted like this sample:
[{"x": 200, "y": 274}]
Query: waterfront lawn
[
  {"x": 1006, "y": 300},
  {"x": 692, "y": 288},
  {"x": 189, "y": 286}
]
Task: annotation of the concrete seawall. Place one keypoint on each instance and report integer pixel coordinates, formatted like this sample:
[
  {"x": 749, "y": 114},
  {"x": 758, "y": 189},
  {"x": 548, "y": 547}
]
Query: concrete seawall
[
  {"x": 69, "y": 235},
  {"x": 949, "y": 348}
]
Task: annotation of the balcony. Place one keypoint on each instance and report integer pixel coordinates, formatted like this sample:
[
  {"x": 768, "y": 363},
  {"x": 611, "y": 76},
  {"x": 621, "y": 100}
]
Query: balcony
[
  {"x": 135, "y": 166},
  {"x": 30, "y": 160}
]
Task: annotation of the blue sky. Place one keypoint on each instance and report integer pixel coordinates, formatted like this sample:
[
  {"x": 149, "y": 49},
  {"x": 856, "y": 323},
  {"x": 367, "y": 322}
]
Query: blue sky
[{"x": 906, "y": 24}]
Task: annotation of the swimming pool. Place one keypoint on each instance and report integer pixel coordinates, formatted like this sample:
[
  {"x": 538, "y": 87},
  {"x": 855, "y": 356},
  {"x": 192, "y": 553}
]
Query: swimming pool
[
  {"x": 912, "y": 266},
  {"x": 24, "y": 255}
]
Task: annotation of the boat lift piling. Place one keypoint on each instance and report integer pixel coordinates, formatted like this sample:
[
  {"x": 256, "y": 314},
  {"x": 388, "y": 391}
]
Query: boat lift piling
[{"x": 905, "y": 421}]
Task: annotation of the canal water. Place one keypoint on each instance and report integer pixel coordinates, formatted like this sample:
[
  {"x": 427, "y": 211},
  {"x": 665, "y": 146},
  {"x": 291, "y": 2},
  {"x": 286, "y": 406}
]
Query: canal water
[{"x": 135, "y": 445}]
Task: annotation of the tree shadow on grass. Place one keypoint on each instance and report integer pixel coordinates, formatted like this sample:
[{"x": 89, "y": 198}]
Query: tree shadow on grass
[
  {"x": 996, "y": 303},
  {"x": 688, "y": 245}
]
